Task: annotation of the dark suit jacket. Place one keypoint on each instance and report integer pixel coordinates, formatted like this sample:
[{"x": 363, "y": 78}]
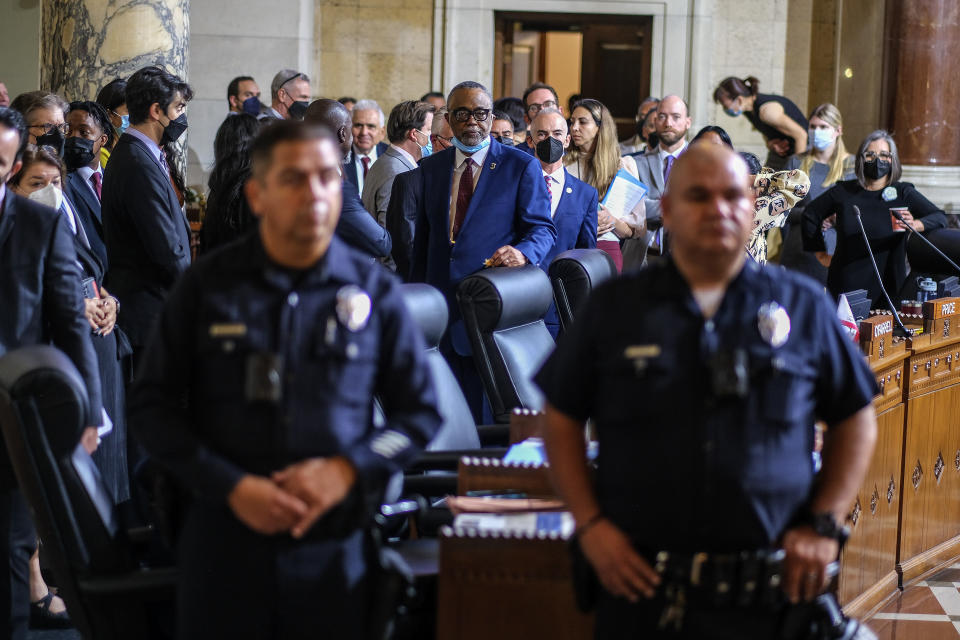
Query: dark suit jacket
[
  {"x": 402, "y": 219},
  {"x": 147, "y": 236},
  {"x": 510, "y": 206},
  {"x": 357, "y": 226},
  {"x": 576, "y": 223},
  {"x": 40, "y": 289},
  {"x": 87, "y": 208},
  {"x": 350, "y": 167}
]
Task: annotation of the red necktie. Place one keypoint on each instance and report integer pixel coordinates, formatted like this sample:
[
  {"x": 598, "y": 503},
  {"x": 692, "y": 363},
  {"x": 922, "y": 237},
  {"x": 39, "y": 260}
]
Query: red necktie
[
  {"x": 95, "y": 179},
  {"x": 464, "y": 193},
  {"x": 365, "y": 161}
]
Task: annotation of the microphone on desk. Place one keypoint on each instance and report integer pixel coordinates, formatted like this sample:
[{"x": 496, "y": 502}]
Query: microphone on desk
[
  {"x": 900, "y": 330},
  {"x": 910, "y": 231}
]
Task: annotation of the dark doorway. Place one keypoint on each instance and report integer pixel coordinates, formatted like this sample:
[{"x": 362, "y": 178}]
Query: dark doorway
[{"x": 613, "y": 65}]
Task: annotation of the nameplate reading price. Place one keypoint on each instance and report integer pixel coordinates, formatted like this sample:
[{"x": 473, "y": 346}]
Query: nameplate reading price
[{"x": 942, "y": 308}]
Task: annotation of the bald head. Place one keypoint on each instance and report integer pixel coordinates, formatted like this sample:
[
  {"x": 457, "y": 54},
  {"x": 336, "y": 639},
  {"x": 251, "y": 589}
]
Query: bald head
[
  {"x": 549, "y": 120},
  {"x": 334, "y": 116},
  {"x": 673, "y": 122},
  {"x": 708, "y": 205}
]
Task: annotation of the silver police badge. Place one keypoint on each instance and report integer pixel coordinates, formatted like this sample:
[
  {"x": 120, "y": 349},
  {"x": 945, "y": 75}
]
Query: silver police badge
[
  {"x": 774, "y": 324},
  {"x": 353, "y": 307}
]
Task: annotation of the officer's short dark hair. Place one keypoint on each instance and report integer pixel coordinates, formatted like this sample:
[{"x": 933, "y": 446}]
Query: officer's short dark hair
[
  {"x": 540, "y": 85},
  {"x": 233, "y": 89},
  {"x": 410, "y": 114},
  {"x": 261, "y": 151},
  {"x": 153, "y": 85},
  {"x": 11, "y": 119}
]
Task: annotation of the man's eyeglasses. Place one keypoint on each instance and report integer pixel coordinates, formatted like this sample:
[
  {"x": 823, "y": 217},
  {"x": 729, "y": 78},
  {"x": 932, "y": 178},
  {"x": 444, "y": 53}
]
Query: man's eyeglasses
[
  {"x": 534, "y": 107},
  {"x": 870, "y": 156},
  {"x": 463, "y": 114},
  {"x": 49, "y": 126}
]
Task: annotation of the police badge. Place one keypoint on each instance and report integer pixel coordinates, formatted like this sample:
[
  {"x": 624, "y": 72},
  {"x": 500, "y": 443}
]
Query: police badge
[
  {"x": 353, "y": 307},
  {"x": 773, "y": 323}
]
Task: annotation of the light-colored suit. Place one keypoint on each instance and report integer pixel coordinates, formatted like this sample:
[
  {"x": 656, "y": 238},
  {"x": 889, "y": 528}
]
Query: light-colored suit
[
  {"x": 379, "y": 182},
  {"x": 650, "y": 171}
]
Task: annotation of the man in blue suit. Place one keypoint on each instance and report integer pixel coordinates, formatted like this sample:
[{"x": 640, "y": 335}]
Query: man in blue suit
[
  {"x": 478, "y": 204},
  {"x": 573, "y": 203}
]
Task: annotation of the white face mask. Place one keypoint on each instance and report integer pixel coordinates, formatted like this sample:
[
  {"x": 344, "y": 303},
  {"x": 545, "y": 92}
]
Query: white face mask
[{"x": 50, "y": 195}]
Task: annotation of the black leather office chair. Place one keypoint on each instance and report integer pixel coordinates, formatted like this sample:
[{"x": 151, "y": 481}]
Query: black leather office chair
[
  {"x": 574, "y": 274},
  {"x": 503, "y": 311},
  {"x": 93, "y": 558}
]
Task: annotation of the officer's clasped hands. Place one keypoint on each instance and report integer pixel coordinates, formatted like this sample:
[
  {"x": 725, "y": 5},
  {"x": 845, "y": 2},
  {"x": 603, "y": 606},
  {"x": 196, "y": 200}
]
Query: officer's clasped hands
[{"x": 321, "y": 483}]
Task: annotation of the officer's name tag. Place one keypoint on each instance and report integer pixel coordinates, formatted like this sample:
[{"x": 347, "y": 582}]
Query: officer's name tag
[
  {"x": 228, "y": 330},
  {"x": 640, "y": 354}
]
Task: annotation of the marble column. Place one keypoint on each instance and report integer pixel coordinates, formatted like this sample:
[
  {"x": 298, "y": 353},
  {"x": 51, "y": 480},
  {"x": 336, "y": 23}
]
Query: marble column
[
  {"x": 87, "y": 43},
  {"x": 924, "y": 48}
]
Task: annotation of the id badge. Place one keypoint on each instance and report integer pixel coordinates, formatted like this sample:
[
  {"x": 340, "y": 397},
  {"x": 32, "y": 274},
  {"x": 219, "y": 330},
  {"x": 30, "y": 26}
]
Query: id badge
[{"x": 264, "y": 379}]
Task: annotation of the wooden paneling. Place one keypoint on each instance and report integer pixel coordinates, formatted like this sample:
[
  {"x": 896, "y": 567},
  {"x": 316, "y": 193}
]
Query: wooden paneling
[{"x": 490, "y": 474}]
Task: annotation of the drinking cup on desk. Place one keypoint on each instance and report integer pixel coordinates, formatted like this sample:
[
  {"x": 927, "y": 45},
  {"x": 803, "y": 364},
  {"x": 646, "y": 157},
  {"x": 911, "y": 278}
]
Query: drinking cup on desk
[{"x": 897, "y": 225}]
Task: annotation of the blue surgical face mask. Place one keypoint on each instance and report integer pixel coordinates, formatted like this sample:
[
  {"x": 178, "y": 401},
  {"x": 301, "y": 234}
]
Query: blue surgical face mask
[
  {"x": 822, "y": 138},
  {"x": 485, "y": 142},
  {"x": 424, "y": 150},
  {"x": 730, "y": 111},
  {"x": 124, "y": 123}
]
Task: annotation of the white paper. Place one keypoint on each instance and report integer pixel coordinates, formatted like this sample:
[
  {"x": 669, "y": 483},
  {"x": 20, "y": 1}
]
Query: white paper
[{"x": 624, "y": 194}]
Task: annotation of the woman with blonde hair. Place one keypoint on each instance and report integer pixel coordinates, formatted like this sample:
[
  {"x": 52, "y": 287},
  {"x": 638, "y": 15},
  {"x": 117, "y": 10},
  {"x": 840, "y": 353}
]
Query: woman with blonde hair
[
  {"x": 827, "y": 162},
  {"x": 594, "y": 157}
]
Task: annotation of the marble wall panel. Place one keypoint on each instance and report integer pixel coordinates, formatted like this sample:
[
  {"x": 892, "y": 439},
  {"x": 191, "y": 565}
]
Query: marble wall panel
[{"x": 87, "y": 43}]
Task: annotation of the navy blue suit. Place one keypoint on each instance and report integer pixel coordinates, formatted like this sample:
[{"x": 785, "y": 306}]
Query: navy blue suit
[
  {"x": 87, "y": 207},
  {"x": 357, "y": 226},
  {"x": 510, "y": 206},
  {"x": 576, "y": 223}
]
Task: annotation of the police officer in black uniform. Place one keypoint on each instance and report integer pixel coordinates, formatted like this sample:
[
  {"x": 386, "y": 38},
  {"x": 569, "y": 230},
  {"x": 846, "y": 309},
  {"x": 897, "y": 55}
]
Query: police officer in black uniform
[
  {"x": 256, "y": 393},
  {"x": 704, "y": 376}
]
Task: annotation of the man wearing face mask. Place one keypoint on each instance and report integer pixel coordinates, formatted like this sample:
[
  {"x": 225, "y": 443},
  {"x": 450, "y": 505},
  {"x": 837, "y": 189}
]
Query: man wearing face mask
[
  {"x": 44, "y": 115},
  {"x": 289, "y": 96},
  {"x": 479, "y": 204},
  {"x": 243, "y": 96},
  {"x": 90, "y": 130},
  {"x": 408, "y": 130},
  {"x": 146, "y": 232},
  {"x": 573, "y": 203}
]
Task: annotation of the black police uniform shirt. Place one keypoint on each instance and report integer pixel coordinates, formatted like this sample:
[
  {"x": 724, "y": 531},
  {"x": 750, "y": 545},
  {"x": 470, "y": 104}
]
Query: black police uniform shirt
[
  {"x": 254, "y": 367},
  {"x": 682, "y": 467}
]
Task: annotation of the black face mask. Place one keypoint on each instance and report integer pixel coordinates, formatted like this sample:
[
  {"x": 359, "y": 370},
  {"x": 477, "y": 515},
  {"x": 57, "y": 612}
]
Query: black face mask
[
  {"x": 549, "y": 150},
  {"x": 653, "y": 140},
  {"x": 53, "y": 139},
  {"x": 77, "y": 152},
  {"x": 251, "y": 105},
  {"x": 298, "y": 109},
  {"x": 174, "y": 129},
  {"x": 876, "y": 169}
]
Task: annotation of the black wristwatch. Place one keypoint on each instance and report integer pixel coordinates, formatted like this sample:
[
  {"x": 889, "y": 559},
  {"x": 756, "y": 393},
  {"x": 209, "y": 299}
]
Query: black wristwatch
[{"x": 826, "y": 526}]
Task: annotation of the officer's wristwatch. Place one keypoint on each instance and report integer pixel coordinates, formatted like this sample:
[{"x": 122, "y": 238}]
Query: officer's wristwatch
[{"x": 826, "y": 526}]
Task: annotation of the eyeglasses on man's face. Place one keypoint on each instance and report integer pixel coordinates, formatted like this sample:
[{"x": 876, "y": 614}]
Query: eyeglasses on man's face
[
  {"x": 48, "y": 127},
  {"x": 534, "y": 107},
  {"x": 463, "y": 114}
]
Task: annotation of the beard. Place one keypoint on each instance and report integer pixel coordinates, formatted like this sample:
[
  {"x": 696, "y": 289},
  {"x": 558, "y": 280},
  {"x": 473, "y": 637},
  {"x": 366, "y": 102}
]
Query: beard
[{"x": 670, "y": 138}]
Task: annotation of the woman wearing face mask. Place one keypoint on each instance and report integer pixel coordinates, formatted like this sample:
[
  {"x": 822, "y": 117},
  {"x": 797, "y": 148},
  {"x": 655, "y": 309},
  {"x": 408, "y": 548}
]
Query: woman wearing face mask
[
  {"x": 595, "y": 158},
  {"x": 876, "y": 190},
  {"x": 826, "y": 162},
  {"x": 778, "y": 119},
  {"x": 111, "y": 97}
]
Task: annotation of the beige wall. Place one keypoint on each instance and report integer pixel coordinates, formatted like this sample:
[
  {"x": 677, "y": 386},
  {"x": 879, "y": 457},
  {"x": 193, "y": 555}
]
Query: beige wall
[
  {"x": 20, "y": 35},
  {"x": 563, "y": 63},
  {"x": 376, "y": 49}
]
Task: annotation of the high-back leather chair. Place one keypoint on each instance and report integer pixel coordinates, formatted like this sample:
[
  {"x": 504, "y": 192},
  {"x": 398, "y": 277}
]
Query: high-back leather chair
[
  {"x": 109, "y": 596},
  {"x": 429, "y": 309},
  {"x": 503, "y": 311},
  {"x": 574, "y": 274}
]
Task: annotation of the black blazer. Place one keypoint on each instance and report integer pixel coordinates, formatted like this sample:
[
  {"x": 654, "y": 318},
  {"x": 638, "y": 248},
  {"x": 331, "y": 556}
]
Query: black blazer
[
  {"x": 146, "y": 233},
  {"x": 87, "y": 208},
  {"x": 350, "y": 167},
  {"x": 357, "y": 226},
  {"x": 402, "y": 220},
  {"x": 40, "y": 289}
]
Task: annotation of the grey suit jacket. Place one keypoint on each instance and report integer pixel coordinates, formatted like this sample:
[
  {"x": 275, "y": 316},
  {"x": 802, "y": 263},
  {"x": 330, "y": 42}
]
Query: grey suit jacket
[
  {"x": 651, "y": 174},
  {"x": 379, "y": 182}
]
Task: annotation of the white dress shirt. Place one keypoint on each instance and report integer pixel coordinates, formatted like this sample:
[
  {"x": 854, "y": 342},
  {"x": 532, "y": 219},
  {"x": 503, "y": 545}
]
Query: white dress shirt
[
  {"x": 557, "y": 181},
  {"x": 459, "y": 165},
  {"x": 358, "y": 162}
]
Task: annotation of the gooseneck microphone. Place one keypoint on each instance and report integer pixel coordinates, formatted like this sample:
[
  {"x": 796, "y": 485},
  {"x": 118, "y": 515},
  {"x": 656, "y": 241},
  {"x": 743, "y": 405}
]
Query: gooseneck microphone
[
  {"x": 910, "y": 231},
  {"x": 900, "y": 330}
]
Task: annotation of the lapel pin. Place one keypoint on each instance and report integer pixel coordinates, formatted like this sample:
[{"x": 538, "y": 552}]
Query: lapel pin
[
  {"x": 493, "y": 165},
  {"x": 569, "y": 190}
]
